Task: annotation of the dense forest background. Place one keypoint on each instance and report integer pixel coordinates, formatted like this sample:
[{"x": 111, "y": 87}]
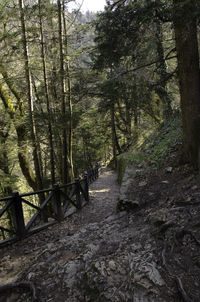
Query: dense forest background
[{"x": 77, "y": 89}]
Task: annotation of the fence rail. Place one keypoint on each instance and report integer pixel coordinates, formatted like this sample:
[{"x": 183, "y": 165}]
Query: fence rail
[{"x": 31, "y": 212}]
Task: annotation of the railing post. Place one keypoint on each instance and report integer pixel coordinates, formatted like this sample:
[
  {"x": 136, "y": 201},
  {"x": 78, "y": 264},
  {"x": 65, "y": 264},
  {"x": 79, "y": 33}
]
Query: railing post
[
  {"x": 88, "y": 177},
  {"x": 78, "y": 194},
  {"x": 57, "y": 203},
  {"x": 86, "y": 186},
  {"x": 19, "y": 223},
  {"x": 97, "y": 171}
]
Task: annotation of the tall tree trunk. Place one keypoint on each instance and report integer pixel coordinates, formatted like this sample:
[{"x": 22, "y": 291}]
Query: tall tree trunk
[
  {"x": 47, "y": 98},
  {"x": 128, "y": 121},
  {"x": 162, "y": 73},
  {"x": 69, "y": 97},
  {"x": 30, "y": 98},
  {"x": 113, "y": 136},
  {"x": 6, "y": 187},
  {"x": 63, "y": 91},
  {"x": 189, "y": 75},
  {"x": 115, "y": 142},
  {"x": 18, "y": 120}
]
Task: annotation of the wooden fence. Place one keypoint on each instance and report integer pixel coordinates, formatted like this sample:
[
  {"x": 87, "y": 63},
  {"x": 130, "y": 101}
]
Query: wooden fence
[{"x": 58, "y": 203}]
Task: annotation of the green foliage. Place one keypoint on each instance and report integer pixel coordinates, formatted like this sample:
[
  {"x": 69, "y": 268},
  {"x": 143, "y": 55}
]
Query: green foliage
[
  {"x": 127, "y": 159},
  {"x": 163, "y": 142},
  {"x": 155, "y": 150},
  {"x": 126, "y": 80}
]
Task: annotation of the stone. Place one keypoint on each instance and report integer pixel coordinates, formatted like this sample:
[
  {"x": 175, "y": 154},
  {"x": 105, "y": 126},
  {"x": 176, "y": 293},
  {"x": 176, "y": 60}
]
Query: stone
[
  {"x": 165, "y": 182},
  {"x": 142, "y": 184},
  {"x": 169, "y": 169},
  {"x": 31, "y": 276},
  {"x": 112, "y": 265},
  {"x": 194, "y": 187},
  {"x": 157, "y": 218}
]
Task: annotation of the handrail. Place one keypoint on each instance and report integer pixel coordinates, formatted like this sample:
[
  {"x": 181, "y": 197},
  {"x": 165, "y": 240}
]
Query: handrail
[{"x": 56, "y": 203}]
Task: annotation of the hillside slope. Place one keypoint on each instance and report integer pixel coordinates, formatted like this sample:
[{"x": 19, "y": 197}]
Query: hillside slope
[{"x": 140, "y": 244}]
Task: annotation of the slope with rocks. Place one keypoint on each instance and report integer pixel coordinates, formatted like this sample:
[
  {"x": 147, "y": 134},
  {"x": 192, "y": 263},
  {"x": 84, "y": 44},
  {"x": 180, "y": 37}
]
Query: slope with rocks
[{"x": 147, "y": 250}]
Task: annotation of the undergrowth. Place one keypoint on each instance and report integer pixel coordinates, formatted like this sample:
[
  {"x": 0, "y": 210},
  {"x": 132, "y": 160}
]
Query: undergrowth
[
  {"x": 155, "y": 150},
  {"x": 167, "y": 139}
]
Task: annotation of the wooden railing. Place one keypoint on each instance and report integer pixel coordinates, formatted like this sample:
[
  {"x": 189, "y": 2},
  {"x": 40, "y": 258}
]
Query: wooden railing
[{"x": 26, "y": 213}]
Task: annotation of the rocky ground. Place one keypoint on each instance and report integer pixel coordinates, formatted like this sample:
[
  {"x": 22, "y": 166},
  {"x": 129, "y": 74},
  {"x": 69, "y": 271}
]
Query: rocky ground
[{"x": 146, "y": 251}]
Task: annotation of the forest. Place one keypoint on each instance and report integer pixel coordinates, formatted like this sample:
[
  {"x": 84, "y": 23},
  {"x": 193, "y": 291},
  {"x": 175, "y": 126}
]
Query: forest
[
  {"x": 79, "y": 89},
  {"x": 100, "y": 124}
]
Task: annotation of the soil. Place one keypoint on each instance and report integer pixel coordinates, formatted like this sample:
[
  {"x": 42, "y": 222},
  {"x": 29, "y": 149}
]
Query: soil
[
  {"x": 163, "y": 224},
  {"x": 169, "y": 200}
]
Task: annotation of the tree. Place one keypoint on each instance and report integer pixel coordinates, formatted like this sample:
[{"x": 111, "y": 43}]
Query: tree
[
  {"x": 185, "y": 25},
  {"x": 46, "y": 87},
  {"x": 35, "y": 143},
  {"x": 16, "y": 114},
  {"x": 69, "y": 95}
]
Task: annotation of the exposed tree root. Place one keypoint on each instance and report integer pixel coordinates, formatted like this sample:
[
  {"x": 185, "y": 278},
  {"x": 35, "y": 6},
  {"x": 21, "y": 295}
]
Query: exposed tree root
[
  {"x": 180, "y": 235},
  {"x": 182, "y": 290},
  {"x": 177, "y": 279}
]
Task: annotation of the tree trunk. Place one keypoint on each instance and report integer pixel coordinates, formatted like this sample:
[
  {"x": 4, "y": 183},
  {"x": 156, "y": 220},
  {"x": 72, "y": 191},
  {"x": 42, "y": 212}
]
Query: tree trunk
[
  {"x": 115, "y": 143},
  {"x": 162, "y": 73},
  {"x": 189, "y": 75},
  {"x": 63, "y": 91},
  {"x": 53, "y": 181},
  {"x": 21, "y": 134},
  {"x": 113, "y": 136},
  {"x": 69, "y": 96},
  {"x": 128, "y": 121},
  {"x": 30, "y": 98}
]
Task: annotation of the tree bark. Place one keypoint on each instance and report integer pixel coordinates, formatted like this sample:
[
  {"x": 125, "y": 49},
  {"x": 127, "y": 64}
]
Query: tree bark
[
  {"x": 21, "y": 134},
  {"x": 115, "y": 143},
  {"x": 69, "y": 97},
  {"x": 113, "y": 136},
  {"x": 63, "y": 92},
  {"x": 189, "y": 77},
  {"x": 162, "y": 73},
  {"x": 46, "y": 88},
  {"x": 30, "y": 98}
]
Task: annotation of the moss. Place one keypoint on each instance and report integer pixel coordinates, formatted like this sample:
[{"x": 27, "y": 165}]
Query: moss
[
  {"x": 127, "y": 159},
  {"x": 121, "y": 167},
  {"x": 7, "y": 100}
]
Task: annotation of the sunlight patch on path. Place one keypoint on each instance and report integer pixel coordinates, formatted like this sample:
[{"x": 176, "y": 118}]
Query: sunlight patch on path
[{"x": 100, "y": 191}]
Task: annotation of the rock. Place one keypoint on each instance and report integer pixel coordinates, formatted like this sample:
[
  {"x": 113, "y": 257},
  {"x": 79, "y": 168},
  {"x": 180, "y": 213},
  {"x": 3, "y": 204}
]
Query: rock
[
  {"x": 142, "y": 184},
  {"x": 6, "y": 258},
  {"x": 165, "y": 182},
  {"x": 127, "y": 205},
  {"x": 115, "y": 216},
  {"x": 157, "y": 218},
  {"x": 101, "y": 268},
  {"x": 30, "y": 276},
  {"x": 194, "y": 187},
  {"x": 169, "y": 169},
  {"x": 154, "y": 274},
  {"x": 112, "y": 265},
  {"x": 137, "y": 277}
]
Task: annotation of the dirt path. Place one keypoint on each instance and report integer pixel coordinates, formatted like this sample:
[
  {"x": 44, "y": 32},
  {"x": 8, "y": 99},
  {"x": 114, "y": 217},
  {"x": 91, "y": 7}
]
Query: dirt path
[
  {"x": 17, "y": 257},
  {"x": 103, "y": 198},
  {"x": 98, "y": 255}
]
